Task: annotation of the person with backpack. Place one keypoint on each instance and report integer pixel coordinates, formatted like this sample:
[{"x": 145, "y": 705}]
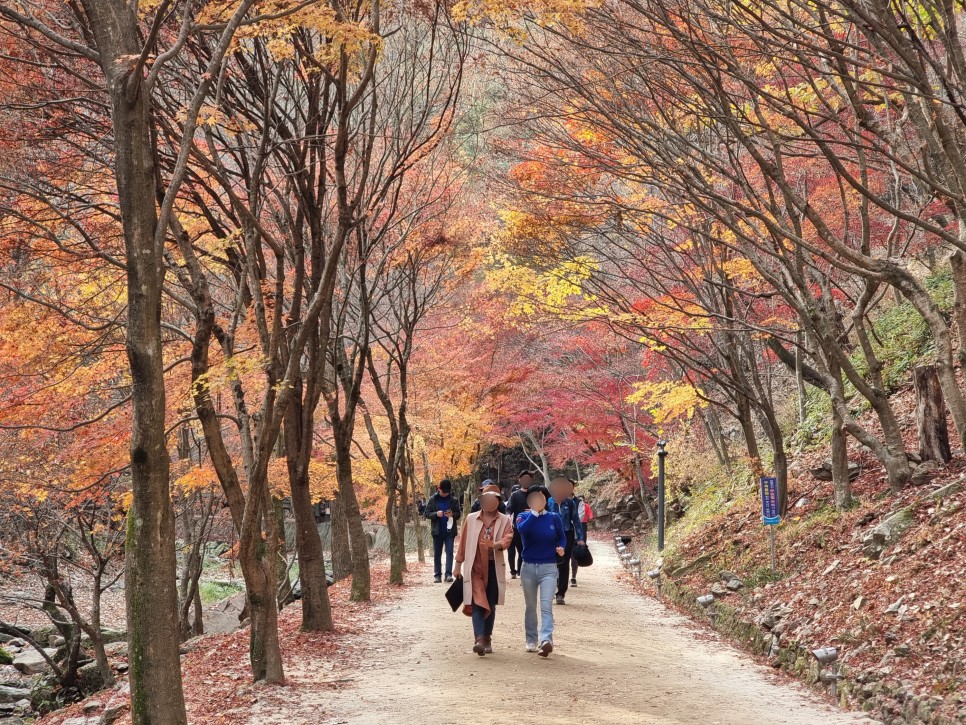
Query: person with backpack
[
  {"x": 516, "y": 506},
  {"x": 443, "y": 510},
  {"x": 542, "y": 535},
  {"x": 486, "y": 535},
  {"x": 585, "y": 513},
  {"x": 564, "y": 504}
]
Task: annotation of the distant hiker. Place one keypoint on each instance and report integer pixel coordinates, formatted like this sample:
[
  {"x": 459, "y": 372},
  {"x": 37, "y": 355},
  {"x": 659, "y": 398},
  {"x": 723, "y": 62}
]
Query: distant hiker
[
  {"x": 543, "y": 537},
  {"x": 586, "y": 514},
  {"x": 443, "y": 510},
  {"x": 476, "y": 504},
  {"x": 486, "y": 535},
  {"x": 516, "y": 506},
  {"x": 421, "y": 506},
  {"x": 564, "y": 503}
]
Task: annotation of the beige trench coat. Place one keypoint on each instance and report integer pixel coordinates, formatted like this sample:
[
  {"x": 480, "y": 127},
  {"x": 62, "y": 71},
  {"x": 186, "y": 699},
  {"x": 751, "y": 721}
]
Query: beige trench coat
[{"x": 468, "y": 546}]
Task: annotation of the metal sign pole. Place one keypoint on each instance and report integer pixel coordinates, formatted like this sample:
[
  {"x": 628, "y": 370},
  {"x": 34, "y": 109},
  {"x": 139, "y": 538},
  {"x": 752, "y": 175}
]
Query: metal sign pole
[
  {"x": 770, "y": 515},
  {"x": 661, "y": 455},
  {"x": 771, "y": 530}
]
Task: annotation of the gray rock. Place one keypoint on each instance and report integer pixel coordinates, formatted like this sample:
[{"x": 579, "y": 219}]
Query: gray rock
[
  {"x": 30, "y": 661},
  {"x": 901, "y": 650},
  {"x": 223, "y": 617},
  {"x": 887, "y": 533},
  {"x": 111, "y": 714},
  {"x": 774, "y": 614},
  {"x": 947, "y": 490},
  {"x": 13, "y": 694},
  {"x": 734, "y": 584},
  {"x": 116, "y": 649}
]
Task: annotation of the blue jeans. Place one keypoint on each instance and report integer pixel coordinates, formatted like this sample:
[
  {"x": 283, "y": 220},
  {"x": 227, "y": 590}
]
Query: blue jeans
[
  {"x": 538, "y": 579},
  {"x": 438, "y": 543}
]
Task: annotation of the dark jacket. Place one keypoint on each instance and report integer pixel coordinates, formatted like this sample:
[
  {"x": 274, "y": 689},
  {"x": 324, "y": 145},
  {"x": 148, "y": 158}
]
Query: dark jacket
[
  {"x": 568, "y": 513},
  {"x": 439, "y": 522},
  {"x": 517, "y": 504}
]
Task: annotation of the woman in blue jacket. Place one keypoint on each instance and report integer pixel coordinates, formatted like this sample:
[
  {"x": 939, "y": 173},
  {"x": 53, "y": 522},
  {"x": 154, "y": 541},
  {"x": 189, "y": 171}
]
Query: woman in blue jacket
[{"x": 543, "y": 538}]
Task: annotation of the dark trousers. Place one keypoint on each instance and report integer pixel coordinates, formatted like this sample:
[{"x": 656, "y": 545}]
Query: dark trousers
[
  {"x": 483, "y": 622},
  {"x": 563, "y": 566},
  {"x": 573, "y": 568},
  {"x": 438, "y": 543},
  {"x": 516, "y": 553}
]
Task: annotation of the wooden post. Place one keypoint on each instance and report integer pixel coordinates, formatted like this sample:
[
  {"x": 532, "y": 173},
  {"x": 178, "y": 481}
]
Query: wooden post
[{"x": 931, "y": 416}]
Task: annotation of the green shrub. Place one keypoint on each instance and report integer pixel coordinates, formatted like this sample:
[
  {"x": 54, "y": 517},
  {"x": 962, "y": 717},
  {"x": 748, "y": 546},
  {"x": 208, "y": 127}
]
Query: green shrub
[{"x": 216, "y": 591}]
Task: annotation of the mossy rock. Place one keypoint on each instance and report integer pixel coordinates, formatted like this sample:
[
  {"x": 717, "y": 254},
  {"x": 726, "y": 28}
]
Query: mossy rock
[{"x": 5, "y": 657}]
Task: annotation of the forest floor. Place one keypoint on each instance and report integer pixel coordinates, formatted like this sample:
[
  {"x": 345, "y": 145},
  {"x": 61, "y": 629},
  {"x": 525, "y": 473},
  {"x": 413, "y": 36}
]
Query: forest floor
[{"x": 619, "y": 658}]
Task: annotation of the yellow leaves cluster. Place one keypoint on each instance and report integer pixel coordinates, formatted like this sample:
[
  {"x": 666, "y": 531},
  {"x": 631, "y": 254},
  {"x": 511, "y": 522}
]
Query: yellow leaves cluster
[{"x": 667, "y": 401}]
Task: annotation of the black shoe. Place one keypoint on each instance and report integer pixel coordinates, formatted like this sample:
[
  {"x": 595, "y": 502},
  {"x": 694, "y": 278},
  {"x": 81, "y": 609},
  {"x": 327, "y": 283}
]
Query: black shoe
[
  {"x": 545, "y": 648},
  {"x": 513, "y": 575},
  {"x": 560, "y": 600},
  {"x": 573, "y": 582},
  {"x": 449, "y": 578},
  {"x": 438, "y": 579}
]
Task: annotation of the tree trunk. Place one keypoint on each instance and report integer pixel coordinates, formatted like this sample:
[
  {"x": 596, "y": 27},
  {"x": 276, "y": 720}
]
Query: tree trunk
[
  {"x": 841, "y": 484},
  {"x": 286, "y": 594},
  {"x": 258, "y": 565},
  {"x": 958, "y": 264},
  {"x": 931, "y": 416},
  {"x": 353, "y": 515},
  {"x": 341, "y": 551},
  {"x": 316, "y": 608},
  {"x": 150, "y": 589},
  {"x": 397, "y": 542}
]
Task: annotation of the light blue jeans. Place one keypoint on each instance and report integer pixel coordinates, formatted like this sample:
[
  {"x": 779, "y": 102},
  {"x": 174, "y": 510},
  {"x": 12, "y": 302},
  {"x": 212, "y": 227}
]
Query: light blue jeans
[{"x": 538, "y": 579}]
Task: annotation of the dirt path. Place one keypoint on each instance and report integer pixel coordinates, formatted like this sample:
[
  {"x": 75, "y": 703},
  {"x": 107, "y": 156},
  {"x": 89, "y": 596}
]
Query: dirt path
[{"x": 619, "y": 658}]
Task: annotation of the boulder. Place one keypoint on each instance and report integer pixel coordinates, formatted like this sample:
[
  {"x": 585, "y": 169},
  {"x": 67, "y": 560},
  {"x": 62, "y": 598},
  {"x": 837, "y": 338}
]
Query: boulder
[
  {"x": 5, "y": 657},
  {"x": 91, "y": 678},
  {"x": 734, "y": 584},
  {"x": 111, "y": 714},
  {"x": 116, "y": 649},
  {"x": 13, "y": 694},
  {"x": 773, "y": 615},
  {"x": 223, "y": 617},
  {"x": 824, "y": 472},
  {"x": 31, "y": 662},
  {"x": 886, "y": 533}
]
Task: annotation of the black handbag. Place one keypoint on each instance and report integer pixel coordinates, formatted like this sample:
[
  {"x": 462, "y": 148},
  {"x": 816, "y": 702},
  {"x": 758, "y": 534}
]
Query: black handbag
[
  {"x": 454, "y": 595},
  {"x": 582, "y": 555}
]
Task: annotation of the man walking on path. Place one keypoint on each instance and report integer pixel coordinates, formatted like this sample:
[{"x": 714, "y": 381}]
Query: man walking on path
[
  {"x": 564, "y": 504},
  {"x": 443, "y": 510},
  {"x": 516, "y": 506}
]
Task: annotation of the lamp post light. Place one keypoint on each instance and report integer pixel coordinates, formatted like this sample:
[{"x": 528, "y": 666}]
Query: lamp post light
[
  {"x": 826, "y": 657},
  {"x": 661, "y": 455},
  {"x": 706, "y": 600}
]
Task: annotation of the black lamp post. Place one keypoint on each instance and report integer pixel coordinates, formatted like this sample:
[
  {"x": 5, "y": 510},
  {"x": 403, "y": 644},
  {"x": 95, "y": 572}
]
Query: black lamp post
[{"x": 661, "y": 455}]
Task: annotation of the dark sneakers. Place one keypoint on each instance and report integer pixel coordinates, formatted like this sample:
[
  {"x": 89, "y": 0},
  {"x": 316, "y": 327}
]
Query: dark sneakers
[
  {"x": 449, "y": 578},
  {"x": 438, "y": 579},
  {"x": 546, "y": 647},
  {"x": 573, "y": 582},
  {"x": 560, "y": 600}
]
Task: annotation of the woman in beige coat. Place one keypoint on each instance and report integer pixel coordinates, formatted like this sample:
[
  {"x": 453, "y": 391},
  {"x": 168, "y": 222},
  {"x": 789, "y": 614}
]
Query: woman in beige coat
[{"x": 486, "y": 534}]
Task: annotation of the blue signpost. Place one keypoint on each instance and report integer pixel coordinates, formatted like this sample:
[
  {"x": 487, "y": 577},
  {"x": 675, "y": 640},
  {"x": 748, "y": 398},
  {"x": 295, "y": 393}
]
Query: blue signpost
[{"x": 770, "y": 513}]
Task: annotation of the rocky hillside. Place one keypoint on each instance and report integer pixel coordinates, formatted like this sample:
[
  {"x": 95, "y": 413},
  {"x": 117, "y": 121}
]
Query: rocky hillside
[{"x": 883, "y": 583}]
